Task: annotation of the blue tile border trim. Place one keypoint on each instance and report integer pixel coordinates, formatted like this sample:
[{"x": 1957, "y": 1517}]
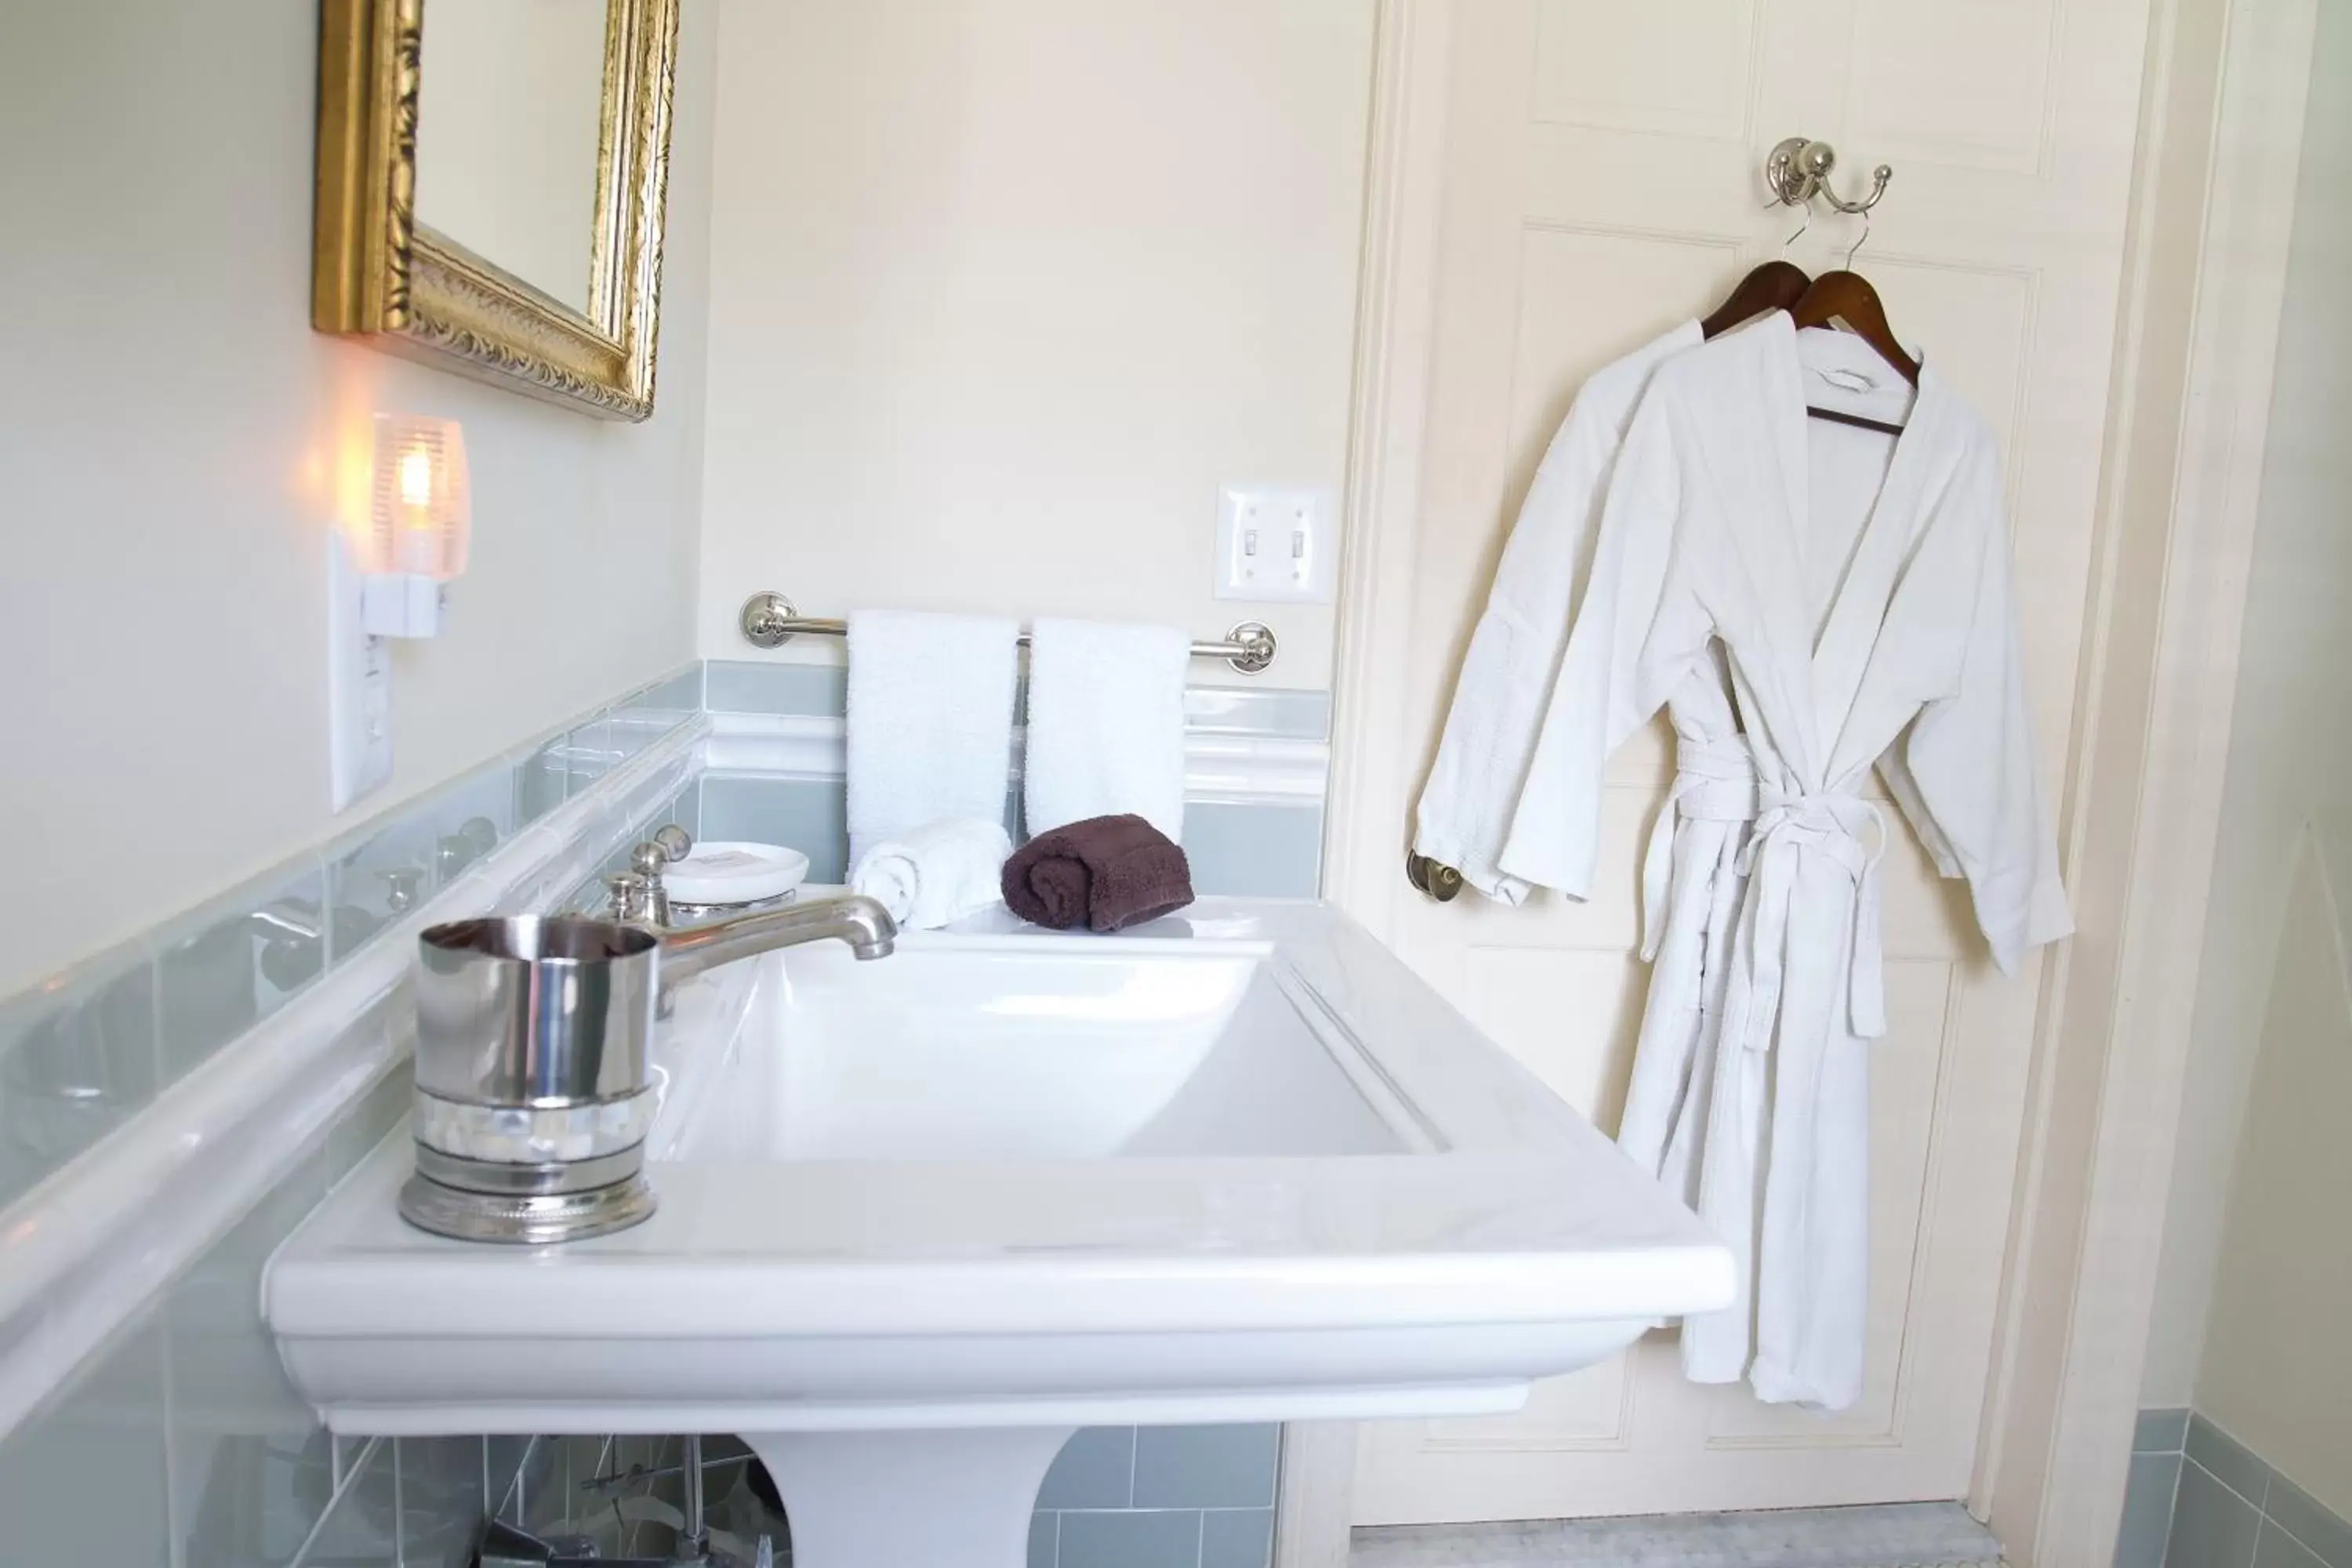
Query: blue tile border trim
[
  {"x": 821, "y": 691},
  {"x": 2227, "y": 1461},
  {"x": 2326, "y": 1534},
  {"x": 2149, "y": 1490},
  {"x": 85, "y": 1048},
  {"x": 2161, "y": 1431},
  {"x": 2228, "y": 1497}
]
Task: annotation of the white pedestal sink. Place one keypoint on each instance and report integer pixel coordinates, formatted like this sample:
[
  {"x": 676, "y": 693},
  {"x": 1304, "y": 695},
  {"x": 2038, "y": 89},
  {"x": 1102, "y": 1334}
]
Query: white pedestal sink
[{"x": 921, "y": 1217}]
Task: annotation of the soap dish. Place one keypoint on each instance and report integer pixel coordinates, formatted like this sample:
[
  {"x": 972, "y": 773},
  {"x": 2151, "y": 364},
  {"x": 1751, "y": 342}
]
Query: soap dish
[{"x": 732, "y": 875}]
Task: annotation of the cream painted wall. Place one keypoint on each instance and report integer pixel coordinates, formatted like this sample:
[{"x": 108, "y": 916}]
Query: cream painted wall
[
  {"x": 2276, "y": 1372},
  {"x": 173, "y": 442},
  {"x": 1002, "y": 291},
  {"x": 2290, "y": 749}
]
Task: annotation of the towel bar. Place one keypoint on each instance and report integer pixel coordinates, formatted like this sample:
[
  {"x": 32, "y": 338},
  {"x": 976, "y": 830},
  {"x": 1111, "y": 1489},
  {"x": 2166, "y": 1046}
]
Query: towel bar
[{"x": 770, "y": 620}]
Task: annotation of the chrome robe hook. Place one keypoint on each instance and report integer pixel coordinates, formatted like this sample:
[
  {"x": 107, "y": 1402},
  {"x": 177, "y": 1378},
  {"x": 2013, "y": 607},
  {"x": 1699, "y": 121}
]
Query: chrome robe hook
[{"x": 1798, "y": 170}]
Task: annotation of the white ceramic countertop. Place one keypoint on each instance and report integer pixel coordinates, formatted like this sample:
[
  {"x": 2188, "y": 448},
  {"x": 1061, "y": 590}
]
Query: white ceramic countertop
[{"x": 1503, "y": 1209}]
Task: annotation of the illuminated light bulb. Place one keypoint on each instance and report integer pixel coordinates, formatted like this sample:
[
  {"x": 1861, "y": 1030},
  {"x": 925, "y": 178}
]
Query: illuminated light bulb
[
  {"x": 420, "y": 521},
  {"x": 416, "y": 478}
]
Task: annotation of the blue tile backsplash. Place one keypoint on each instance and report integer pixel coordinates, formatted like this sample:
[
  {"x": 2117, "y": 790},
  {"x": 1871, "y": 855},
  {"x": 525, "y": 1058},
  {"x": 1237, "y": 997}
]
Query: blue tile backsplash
[
  {"x": 85, "y": 1481},
  {"x": 1094, "y": 1469},
  {"x": 1237, "y": 1537},
  {"x": 1158, "y": 1538},
  {"x": 1205, "y": 1467},
  {"x": 211, "y": 984},
  {"x": 1127, "y": 1496},
  {"x": 208, "y": 1457},
  {"x": 77, "y": 1058},
  {"x": 2199, "y": 1498},
  {"x": 810, "y": 814},
  {"x": 742, "y": 685}
]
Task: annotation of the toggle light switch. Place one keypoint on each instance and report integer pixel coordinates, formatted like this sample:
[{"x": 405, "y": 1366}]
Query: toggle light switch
[{"x": 1299, "y": 563}]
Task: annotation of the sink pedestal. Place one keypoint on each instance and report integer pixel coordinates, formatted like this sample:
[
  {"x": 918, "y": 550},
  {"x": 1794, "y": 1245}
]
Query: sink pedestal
[{"x": 956, "y": 1498}]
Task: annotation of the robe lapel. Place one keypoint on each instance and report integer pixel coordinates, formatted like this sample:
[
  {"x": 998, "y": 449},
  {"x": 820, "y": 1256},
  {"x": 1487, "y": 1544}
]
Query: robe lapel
[
  {"x": 1857, "y": 616},
  {"x": 1877, "y": 701},
  {"x": 1758, "y": 418}
]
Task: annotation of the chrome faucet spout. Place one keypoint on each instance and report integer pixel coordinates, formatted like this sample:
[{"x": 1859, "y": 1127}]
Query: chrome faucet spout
[{"x": 851, "y": 918}]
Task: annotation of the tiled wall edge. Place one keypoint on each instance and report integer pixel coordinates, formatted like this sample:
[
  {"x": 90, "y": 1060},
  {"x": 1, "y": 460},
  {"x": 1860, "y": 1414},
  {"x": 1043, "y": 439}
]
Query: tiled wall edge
[
  {"x": 347, "y": 1477},
  {"x": 310, "y": 1049},
  {"x": 2275, "y": 1501},
  {"x": 2280, "y": 1502},
  {"x": 571, "y": 754},
  {"x": 819, "y": 692},
  {"x": 1220, "y": 768},
  {"x": 2160, "y": 1430}
]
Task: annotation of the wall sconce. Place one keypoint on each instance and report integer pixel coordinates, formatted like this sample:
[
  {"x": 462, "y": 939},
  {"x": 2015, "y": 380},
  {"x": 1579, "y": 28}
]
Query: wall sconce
[{"x": 420, "y": 518}]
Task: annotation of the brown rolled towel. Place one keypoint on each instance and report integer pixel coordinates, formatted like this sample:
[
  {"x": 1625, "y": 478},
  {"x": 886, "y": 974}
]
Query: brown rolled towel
[{"x": 1104, "y": 873}]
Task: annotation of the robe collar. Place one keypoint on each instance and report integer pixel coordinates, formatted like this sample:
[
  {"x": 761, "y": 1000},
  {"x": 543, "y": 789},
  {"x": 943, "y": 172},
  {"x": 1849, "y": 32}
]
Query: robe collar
[{"x": 1817, "y": 684}]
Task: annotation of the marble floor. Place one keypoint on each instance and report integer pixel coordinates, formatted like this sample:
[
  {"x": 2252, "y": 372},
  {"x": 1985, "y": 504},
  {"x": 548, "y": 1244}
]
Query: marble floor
[{"x": 1900, "y": 1535}]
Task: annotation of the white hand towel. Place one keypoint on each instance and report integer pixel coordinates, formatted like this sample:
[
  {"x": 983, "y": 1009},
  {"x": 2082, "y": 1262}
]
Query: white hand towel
[
  {"x": 930, "y": 720},
  {"x": 1106, "y": 724},
  {"x": 941, "y": 871}
]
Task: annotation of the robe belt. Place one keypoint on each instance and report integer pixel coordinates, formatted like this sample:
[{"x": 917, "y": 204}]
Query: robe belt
[
  {"x": 1851, "y": 832},
  {"x": 1715, "y": 781}
]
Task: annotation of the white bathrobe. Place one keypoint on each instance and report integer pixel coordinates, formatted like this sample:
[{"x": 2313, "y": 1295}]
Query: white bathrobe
[
  {"x": 1465, "y": 808},
  {"x": 1691, "y": 875},
  {"x": 1860, "y": 587}
]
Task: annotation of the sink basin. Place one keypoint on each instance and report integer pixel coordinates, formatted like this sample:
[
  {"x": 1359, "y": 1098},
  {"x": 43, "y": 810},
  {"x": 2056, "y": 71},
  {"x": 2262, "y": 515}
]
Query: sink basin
[
  {"x": 1024, "y": 1049},
  {"x": 922, "y": 1217}
]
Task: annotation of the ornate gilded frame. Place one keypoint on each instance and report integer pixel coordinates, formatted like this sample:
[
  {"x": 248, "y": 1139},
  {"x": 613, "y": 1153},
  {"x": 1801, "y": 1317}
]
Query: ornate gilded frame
[{"x": 380, "y": 275}]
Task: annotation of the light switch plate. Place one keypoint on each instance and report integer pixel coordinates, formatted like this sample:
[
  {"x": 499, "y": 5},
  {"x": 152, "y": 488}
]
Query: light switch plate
[
  {"x": 359, "y": 684},
  {"x": 1277, "y": 543}
]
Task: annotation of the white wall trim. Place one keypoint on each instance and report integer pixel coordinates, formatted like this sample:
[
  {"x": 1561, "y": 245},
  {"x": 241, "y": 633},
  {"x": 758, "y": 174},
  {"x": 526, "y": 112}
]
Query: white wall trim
[
  {"x": 2145, "y": 796},
  {"x": 1220, "y": 768},
  {"x": 1363, "y": 856},
  {"x": 1315, "y": 1495},
  {"x": 88, "y": 1250}
]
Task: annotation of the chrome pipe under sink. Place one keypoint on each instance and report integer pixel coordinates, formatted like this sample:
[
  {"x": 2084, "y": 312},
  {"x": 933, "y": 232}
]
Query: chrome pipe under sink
[{"x": 533, "y": 1048}]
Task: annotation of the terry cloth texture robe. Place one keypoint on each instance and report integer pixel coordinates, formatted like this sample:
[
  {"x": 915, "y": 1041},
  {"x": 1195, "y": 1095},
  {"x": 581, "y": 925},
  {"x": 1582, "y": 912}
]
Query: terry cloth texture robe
[
  {"x": 1860, "y": 587},
  {"x": 1691, "y": 875}
]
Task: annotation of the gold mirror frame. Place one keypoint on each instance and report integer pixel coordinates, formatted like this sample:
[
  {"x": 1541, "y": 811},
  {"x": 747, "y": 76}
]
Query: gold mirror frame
[{"x": 380, "y": 275}]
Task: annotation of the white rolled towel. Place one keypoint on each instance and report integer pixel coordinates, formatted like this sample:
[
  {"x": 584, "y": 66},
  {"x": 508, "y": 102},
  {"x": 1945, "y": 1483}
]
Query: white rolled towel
[{"x": 939, "y": 872}]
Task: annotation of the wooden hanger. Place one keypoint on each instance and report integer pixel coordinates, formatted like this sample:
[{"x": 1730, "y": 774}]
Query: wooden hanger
[
  {"x": 1775, "y": 286},
  {"x": 1848, "y": 297}
]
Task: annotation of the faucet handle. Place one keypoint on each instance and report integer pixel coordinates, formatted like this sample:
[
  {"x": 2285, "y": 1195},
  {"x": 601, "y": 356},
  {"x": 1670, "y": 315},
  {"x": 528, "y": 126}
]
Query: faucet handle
[
  {"x": 647, "y": 861},
  {"x": 668, "y": 844},
  {"x": 628, "y": 898}
]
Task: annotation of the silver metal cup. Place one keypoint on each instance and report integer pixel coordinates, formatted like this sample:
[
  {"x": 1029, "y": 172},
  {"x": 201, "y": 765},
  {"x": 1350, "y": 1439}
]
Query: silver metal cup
[
  {"x": 537, "y": 1010},
  {"x": 533, "y": 1099},
  {"x": 534, "y": 1039}
]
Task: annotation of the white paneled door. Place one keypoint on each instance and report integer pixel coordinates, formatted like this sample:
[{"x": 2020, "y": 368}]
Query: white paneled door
[{"x": 1600, "y": 181}]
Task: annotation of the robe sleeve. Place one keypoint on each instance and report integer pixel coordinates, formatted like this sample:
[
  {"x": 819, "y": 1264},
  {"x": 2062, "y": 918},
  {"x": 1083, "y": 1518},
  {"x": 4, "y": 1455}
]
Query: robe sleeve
[
  {"x": 1905, "y": 793},
  {"x": 1465, "y": 808},
  {"x": 1638, "y": 630},
  {"x": 1970, "y": 761}
]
